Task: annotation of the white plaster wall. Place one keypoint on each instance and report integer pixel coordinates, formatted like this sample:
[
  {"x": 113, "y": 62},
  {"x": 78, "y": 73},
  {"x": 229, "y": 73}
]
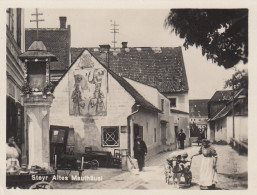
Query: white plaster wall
[
  {"x": 149, "y": 93},
  {"x": 241, "y": 127},
  {"x": 182, "y": 121},
  {"x": 154, "y": 96},
  {"x": 182, "y": 102},
  {"x": 149, "y": 121},
  {"x": 221, "y": 130}
]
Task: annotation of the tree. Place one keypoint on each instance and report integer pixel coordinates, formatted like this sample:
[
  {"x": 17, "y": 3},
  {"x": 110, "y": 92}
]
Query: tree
[
  {"x": 239, "y": 80},
  {"x": 221, "y": 33}
]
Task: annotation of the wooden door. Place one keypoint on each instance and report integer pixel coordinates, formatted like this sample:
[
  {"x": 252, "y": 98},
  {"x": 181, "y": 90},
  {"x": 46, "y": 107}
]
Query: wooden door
[{"x": 58, "y": 141}]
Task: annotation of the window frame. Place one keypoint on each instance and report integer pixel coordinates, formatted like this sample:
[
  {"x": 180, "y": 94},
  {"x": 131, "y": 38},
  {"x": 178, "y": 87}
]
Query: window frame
[
  {"x": 171, "y": 106},
  {"x": 155, "y": 135},
  {"x": 102, "y": 137},
  {"x": 162, "y": 105}
]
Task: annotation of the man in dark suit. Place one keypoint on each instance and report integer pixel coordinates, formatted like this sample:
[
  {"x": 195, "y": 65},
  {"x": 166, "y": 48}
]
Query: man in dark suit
[
  {"x": 140, "y": 150},
  {"x": 181, "y": 138}
]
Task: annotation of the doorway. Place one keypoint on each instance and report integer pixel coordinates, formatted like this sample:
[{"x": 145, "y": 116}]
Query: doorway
[
  {"x": 58, "y": 141},
  {"x": 163, "y": 132},
  {"x": 138, "y": 131},
  {"x": 176, "y": 135}
]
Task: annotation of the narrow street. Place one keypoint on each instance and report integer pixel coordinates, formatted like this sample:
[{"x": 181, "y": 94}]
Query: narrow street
[{"x": 231, "y": 167}]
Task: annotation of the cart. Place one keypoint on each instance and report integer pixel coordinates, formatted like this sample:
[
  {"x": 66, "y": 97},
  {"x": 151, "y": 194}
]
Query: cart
[
  {"x": 30, "y": 181},
  {"x": 185, "y": 170}
]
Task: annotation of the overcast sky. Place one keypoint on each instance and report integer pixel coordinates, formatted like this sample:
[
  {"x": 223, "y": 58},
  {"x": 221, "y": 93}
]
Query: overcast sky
[{"x": 140, "y": 28}]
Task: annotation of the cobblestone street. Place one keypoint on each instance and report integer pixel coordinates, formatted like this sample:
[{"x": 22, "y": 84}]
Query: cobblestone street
[{"x": 231, "y": 167}]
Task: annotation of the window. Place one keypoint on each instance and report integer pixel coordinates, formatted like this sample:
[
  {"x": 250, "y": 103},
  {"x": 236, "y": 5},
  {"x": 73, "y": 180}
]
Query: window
[
  {"x": 110, "y": 136},
  {"x": 58, "y": 136},
  {"x": 162, "y": 105},
  {"x": 173, "y": 102},
  {"x": 155, "y": 136},
  {"x": 19, "y": 27},
  {"x": 123, "y": 129}
]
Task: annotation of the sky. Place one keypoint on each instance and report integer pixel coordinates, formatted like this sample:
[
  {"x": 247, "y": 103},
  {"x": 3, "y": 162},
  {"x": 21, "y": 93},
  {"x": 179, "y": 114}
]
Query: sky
[{"x": 140, "y": 28}]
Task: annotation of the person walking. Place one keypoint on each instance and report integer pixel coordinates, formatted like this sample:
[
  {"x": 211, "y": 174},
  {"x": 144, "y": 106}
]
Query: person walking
[
  {"x": 181, "y": 139},
  {"x": 208, "y": 171},
  {"x": 140, "y": 150},
  {"x": 200, "y": 137}
]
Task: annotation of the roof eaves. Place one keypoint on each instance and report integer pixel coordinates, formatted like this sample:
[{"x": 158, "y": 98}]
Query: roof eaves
[
  {"x": 178, "y": 111},
  {"x": 220, "y": 114}
]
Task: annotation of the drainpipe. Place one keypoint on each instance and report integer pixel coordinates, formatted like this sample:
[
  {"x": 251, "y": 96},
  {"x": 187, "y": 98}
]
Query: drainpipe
[{"x": 129, "y": 128}]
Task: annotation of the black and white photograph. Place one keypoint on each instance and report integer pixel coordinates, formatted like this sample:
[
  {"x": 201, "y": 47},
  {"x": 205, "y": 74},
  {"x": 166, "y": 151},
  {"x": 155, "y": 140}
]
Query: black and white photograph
[{"x": 126, "y": 98}]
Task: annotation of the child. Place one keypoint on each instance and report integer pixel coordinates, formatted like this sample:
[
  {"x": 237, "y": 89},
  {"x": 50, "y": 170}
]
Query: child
[{"x": 185, "y": 163}]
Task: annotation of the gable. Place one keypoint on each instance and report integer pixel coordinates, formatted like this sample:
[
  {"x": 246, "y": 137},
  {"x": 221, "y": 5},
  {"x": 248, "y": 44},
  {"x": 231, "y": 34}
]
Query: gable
[
  {"x": 86, "y": 72},
  {"x": 87, "y": 87}
]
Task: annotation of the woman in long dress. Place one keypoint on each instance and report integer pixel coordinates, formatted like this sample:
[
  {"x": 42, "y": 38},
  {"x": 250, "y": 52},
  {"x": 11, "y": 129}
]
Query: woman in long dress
[
  {"x": 208, "y": 171},
  {"x": 12, "y": 154}
]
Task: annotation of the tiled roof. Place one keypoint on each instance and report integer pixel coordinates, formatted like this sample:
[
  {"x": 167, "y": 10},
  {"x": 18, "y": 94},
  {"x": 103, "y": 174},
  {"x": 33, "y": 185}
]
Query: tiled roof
[
  {"x": 198, "y": 108},
  {"x": 126, "y": 85},
  {"x": 228, "y": 107},
  {"x": 224, "y": 95},
  {"x": 162, "y": 68},
  {"x": 56, "y": 40}
]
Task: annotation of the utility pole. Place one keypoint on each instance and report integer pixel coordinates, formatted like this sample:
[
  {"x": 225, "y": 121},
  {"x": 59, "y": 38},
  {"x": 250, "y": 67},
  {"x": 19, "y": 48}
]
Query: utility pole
[
  {"x": 115, "y": 31},
  {"x": 233, "y": 110},
  {"x": 37, "y": 20}
]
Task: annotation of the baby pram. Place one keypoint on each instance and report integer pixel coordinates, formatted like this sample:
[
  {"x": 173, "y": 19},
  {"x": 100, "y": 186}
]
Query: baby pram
[{"x": 178, "y": 166}]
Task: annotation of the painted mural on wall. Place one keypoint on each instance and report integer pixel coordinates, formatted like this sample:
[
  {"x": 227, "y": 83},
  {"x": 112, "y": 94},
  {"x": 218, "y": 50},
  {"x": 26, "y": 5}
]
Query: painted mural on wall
[{"x": 87, "y": 87}]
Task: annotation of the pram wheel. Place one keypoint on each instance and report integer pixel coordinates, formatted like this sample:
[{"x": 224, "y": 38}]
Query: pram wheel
[{"x": 188, "y": 178}]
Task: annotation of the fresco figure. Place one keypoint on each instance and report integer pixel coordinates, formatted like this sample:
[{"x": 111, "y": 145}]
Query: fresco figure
[
  {"x": 76, "y": 98},
  {"x": 87, "y": 95},
  {"x": 81, "y": 81},
  {"x": 86, "y": 62},
  {"x": 96, "y": 104}
]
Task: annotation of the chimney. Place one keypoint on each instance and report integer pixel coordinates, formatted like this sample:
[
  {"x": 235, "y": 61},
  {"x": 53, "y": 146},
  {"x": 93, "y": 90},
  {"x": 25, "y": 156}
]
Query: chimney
[
  {"x": 63, "y": 21},
  {"x": 104, "y": 48},
  {"x": 124, "y": 44}
]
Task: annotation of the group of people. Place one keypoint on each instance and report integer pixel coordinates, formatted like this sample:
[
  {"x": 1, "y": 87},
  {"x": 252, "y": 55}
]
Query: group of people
[{"x": 208, "y": 170}]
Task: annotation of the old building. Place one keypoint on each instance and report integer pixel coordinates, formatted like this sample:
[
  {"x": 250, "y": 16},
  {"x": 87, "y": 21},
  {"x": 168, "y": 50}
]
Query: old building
[
  {"x": 224, "y": 108},
  {"x": 198, "y": 115},
  {"x": 161, "y": 68},
  {"x": 14, "y": 73},
  {"x": 108, "y": 97},
  {"x": 57, "y": 41}
]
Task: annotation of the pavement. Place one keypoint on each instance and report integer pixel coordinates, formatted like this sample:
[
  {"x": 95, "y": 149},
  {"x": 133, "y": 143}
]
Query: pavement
[{"x": 231, "y": 168}]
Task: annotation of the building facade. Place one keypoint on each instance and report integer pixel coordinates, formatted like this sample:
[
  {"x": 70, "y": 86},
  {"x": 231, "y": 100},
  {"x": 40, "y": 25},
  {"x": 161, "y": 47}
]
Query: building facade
[
  {"x": 159, "y": 67},
  {"x": 231, "y": 119},
  {"x": 105, "y": 111},
  {"x": 15, "y": 45}
]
